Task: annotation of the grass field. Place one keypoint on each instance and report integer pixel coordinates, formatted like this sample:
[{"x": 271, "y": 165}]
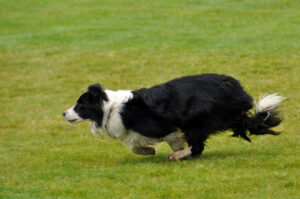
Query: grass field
[{"x": 51, "y": 50}]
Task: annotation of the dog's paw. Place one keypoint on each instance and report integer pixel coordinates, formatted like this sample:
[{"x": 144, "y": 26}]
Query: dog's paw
[{"x": 180, "y": 155}]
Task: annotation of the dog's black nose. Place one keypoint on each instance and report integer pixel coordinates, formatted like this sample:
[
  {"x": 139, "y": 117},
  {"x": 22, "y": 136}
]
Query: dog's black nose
[{"x": 64, "y": 113}]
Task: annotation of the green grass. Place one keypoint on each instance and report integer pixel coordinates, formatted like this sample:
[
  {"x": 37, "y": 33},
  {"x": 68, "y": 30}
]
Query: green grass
[{"x": 51, "y": 50}]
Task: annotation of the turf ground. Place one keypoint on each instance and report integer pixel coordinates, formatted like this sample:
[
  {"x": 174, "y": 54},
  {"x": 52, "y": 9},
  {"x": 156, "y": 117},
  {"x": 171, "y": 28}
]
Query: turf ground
[{"x": 51, "y": 50}]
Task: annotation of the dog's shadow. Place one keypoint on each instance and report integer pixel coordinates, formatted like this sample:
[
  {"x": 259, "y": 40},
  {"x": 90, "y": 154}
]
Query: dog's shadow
[{"x": 206, "y": 156}]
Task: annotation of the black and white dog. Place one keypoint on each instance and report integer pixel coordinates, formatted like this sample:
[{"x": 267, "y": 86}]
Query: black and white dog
[{"x": 188, "y": 109}]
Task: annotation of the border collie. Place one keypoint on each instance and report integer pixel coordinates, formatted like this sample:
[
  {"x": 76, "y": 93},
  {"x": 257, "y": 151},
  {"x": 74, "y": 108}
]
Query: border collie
[{"x": 187, "y": 109}]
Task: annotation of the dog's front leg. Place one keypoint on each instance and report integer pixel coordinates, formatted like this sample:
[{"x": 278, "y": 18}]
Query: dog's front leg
[{"x": 146, "y": 150}]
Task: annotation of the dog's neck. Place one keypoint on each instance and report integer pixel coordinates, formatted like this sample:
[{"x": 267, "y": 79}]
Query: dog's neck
[{"x": 112, "y": 122}]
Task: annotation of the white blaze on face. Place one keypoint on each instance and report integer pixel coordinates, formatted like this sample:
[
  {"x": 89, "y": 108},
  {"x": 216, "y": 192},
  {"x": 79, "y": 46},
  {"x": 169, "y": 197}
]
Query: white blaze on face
[{"x": 72, "y": 116}]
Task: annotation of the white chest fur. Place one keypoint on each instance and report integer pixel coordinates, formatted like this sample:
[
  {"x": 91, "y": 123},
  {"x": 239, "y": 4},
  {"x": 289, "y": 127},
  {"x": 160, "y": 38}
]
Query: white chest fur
[{"x": 115, "y": 129}]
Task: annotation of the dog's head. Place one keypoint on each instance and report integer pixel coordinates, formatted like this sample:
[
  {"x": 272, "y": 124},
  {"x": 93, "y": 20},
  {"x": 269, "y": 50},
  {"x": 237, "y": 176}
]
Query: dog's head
[{"x": 89, "y": 106}]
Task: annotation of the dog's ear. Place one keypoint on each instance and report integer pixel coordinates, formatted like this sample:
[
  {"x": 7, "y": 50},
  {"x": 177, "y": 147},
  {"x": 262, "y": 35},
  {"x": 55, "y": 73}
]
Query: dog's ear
[{"x": 97, "y": 91}]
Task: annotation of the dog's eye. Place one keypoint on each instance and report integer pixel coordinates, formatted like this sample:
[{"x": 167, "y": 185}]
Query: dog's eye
[{"x": 78, "y": 106}]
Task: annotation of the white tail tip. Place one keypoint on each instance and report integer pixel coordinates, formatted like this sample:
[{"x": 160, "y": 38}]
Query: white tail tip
[{"x": 269, "y": 102}]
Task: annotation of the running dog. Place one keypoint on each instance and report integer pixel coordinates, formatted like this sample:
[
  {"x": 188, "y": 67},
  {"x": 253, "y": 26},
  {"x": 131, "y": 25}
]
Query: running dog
[{"x": 184, "y": 110}]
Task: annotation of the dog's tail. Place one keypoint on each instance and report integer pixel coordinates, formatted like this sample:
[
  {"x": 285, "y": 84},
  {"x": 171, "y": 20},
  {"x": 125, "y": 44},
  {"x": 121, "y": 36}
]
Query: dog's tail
[{"x": 265, "y": 117}]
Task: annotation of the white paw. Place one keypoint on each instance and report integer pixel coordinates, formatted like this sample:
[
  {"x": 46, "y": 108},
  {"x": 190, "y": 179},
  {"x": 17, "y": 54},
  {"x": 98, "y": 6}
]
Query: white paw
[{"x": 179, "y": 155}]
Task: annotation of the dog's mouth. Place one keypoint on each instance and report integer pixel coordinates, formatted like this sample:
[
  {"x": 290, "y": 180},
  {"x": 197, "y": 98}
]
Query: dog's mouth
[{"x": 72, "y": 121}]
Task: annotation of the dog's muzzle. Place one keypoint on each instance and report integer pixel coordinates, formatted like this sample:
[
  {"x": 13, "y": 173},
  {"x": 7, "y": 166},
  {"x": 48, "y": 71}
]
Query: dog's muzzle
[{"x": 72, "y": 116}]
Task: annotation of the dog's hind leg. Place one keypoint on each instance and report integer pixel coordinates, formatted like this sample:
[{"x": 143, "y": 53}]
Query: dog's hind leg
[
  {"x": 182, "y": 154},
  {"x": 176, "y": 141},
  {"x": 176, "y": 145},
  {"x": 196, "y": 141}
]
